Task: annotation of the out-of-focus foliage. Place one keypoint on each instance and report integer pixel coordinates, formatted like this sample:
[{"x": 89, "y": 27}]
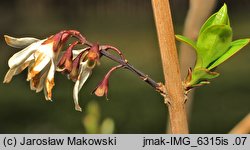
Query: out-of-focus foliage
[{"x": 92, "y": 121}]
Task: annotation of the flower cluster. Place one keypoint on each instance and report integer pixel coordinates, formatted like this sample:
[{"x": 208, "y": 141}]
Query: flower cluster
[{"x": 44, "y": 58}]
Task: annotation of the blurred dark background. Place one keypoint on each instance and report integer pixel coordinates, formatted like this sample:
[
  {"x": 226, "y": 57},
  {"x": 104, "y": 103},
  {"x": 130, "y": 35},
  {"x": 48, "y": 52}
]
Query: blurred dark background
[{"x": 134, "y": 106}]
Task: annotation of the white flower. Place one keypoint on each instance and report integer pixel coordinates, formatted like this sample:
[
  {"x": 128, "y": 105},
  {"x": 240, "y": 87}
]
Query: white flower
[
  {"x": 40, "y": 56},
  {"x": 82, "y": 68},
  {"x": 84, "y": 72}
]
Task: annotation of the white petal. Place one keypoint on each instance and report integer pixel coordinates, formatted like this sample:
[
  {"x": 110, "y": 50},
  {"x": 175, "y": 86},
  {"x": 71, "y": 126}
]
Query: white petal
[
  {"x": 40, "y": 63},
  {"x": 49, "y": 81},
  {"x": 19, "y": 42},
  {"x": 37, "y": 82},
  {"x": 9, "y": 75},
  {"x": 68, "y": 76},
  {"x": 20, "y": 68},
  {"x": 14, "y": 71},
  {"x": 47, "y": 49},
  {"x": 45, "y": 92},
  {"x": 32, "y": 86},
  {"x": 41, "y": 83},
  {"x": 51, "y": 71},
  {"x": 77, "y": 52},
  {"x": 75, "y": 96},
  {"x": 32, "y": 57},
  {"x": 21, "y": 56},
  {"x": 84, "y": 73},
  {"x": 43, "y": 61}
]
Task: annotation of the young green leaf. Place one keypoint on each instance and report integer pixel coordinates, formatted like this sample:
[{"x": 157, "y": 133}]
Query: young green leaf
[
  {"x": 199, "y": 75},
  {"x": 208, "y": 23},
  {"x": 186, "y": 40},
  {"x": 234, "y": 48},
  {"x": 213, "y": 43},
  {"x": 217, "y": 18},
  {"x": 214, "y": 46},
  {"x": 222, "y": 17}
]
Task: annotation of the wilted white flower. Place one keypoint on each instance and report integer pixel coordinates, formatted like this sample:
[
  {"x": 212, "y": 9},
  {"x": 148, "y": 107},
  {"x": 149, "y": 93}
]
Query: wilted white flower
[
  {"x": 82, "y": 67},
  {"x": 40, "y": 56}
]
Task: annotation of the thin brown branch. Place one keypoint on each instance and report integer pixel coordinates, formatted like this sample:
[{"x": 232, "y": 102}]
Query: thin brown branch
[
  {"x": 122, "y": 61},
  {"x": 128, "y": 66},
  {"x": 175, "y": 98},
  {"x": 243, "y": 127}
]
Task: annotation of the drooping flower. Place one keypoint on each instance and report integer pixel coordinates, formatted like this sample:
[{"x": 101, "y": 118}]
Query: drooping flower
[
  {"x": 82, "y": 68},
  {"x": 102, "y": 87},
  {"x": 40, "y": 57}
]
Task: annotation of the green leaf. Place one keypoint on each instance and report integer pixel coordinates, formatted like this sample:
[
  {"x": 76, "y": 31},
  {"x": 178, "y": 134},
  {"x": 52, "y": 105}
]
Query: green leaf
[
  {"x": 201, "y": 76},
  {"x": 212, "y": 43},
  {"x": 218, "y": 18},
  {"x": 234, "y": 48},
  {"x": 208, "y": 23},
  {"x": 186, "y": 40},
  {"x": 222, "y": 17}
]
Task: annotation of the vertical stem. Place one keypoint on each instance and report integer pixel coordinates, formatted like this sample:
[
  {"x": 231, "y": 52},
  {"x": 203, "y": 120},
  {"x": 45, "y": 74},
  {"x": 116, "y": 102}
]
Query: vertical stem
[{"x": 175, "y": 98}]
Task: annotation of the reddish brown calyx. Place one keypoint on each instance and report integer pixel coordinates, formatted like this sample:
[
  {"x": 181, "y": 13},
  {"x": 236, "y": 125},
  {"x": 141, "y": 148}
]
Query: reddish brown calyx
[
  {"x": 102, "y": 88},
  {"x": 94, "y": 54},
  {"x": 65, "y": 63},
  {"x": 60, "y": 38}
]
